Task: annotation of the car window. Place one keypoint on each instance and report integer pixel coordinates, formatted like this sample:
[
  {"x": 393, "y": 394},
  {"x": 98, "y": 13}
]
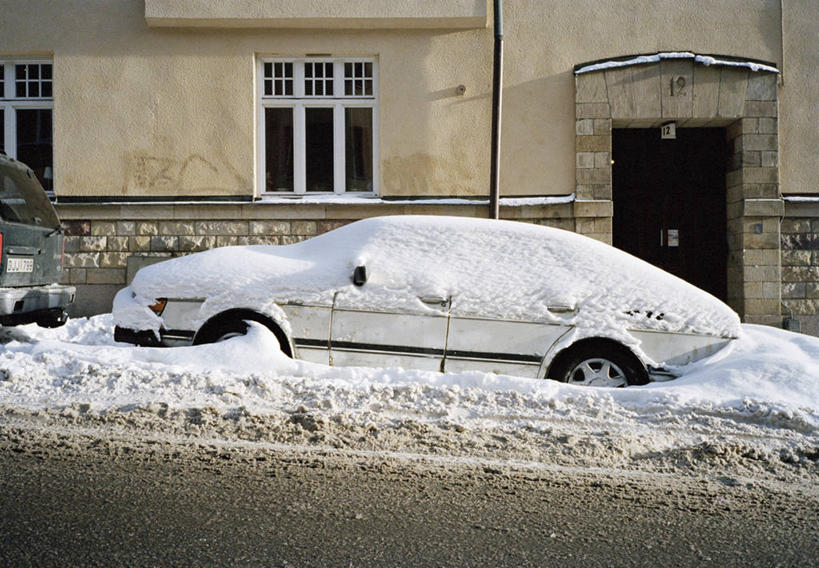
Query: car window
[{"x": 22, "y": 198}]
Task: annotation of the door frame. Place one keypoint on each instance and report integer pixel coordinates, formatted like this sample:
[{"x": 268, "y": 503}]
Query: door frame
[{"x": 739, "y": 98}]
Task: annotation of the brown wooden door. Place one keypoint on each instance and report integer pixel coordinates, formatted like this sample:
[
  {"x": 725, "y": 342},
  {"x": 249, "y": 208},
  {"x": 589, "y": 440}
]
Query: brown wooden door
[{"x": 669, "y": 202}]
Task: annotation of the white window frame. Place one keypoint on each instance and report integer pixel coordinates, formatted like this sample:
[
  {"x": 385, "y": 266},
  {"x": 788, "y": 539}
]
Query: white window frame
[
  {"x": 299, "y": 102},
  {"x": 10, "y": 104}
]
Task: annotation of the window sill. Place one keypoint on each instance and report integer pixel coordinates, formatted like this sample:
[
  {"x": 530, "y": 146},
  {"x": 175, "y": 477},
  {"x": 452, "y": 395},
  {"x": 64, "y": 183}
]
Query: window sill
[{"x": 372, "y": 199}]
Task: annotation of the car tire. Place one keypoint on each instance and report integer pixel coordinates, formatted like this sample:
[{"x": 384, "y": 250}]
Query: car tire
[
  {"x": 229, "y": 325},
  {"x": 229, "y": 330},
  {"x": 55, "y": 318},
  {"x": 598, "y": 363}
]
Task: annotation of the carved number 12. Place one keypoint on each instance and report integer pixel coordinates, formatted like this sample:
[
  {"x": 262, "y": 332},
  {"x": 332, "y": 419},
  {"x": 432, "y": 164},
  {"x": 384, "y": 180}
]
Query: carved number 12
[{"x": 677, "y": 86}]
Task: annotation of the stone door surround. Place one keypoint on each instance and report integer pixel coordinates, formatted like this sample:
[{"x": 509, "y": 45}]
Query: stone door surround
[{"x": 696, "y": 91}]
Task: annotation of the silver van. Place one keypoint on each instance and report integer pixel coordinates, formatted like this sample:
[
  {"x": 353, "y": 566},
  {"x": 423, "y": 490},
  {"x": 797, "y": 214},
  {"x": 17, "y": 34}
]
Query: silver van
[{"x": 31, "y": 251}]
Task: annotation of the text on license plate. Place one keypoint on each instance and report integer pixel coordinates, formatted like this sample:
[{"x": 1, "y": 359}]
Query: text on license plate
[{"x": 20, "y": 265}]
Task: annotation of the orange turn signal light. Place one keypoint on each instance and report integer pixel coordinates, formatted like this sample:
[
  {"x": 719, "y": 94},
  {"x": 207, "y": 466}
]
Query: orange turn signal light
[{"x": 159, "y": 306}]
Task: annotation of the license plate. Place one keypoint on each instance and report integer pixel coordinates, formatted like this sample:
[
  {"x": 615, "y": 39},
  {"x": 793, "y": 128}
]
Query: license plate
[{"x": 20, "y": 265}]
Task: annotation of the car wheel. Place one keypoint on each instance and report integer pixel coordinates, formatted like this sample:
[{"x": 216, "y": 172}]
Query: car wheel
[
  {"x": 598, "y": 364},
  {"x": 234, "y": 324},
  {"x": 230, "y": 330},
  {"x": 55, "y": 318}
]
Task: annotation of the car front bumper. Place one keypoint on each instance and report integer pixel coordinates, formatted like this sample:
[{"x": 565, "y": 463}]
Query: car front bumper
[{"x": 143, "y": 338}]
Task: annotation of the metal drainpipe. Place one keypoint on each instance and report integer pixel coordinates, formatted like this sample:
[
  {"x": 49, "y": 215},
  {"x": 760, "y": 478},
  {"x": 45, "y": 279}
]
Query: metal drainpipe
[{"x": 497, "y": 87}]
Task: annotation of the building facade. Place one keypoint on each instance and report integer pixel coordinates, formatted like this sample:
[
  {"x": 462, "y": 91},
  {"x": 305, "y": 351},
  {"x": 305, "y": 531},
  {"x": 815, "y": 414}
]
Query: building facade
[{"x": 685, "y": 133}]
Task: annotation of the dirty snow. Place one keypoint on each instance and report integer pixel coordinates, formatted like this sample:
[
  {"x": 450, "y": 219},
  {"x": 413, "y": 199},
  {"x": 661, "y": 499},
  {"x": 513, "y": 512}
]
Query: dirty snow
[
  {"x": 754, "y": 404},
  {"x": 496, "y": 269}
]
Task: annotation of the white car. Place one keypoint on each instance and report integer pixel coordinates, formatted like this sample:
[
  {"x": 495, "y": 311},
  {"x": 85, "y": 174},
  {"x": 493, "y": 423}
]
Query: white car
[{"x": 440, "y": 293}]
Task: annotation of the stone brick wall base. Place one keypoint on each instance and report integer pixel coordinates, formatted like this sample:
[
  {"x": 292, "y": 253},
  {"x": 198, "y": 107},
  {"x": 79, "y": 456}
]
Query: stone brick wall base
[
  {"x": 800, "y": 268},
  {"x": 104, "y": 251}
]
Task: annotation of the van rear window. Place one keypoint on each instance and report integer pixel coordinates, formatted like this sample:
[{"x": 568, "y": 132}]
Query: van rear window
[{"x": 22, "y": 198}]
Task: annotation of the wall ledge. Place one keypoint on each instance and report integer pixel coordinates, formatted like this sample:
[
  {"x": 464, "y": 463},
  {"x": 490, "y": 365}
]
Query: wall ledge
[{"x": 315, "y": 14}]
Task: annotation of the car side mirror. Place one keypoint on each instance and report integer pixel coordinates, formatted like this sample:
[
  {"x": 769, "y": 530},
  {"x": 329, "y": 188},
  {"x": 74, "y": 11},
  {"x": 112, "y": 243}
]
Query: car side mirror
[{"x": 360, "y": 275}]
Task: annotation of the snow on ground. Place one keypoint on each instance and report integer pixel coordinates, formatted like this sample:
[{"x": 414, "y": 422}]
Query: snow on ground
[{"x": 756, "y": 402}]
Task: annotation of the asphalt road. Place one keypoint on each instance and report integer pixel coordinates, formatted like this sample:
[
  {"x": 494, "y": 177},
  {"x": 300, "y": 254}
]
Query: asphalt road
[{"x": 166, "y": 506}]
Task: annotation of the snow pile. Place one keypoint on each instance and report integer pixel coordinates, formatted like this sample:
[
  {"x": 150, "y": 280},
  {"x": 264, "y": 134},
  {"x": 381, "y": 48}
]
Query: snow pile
[
  {"x": 496, "y": 269},
  {"x": 759, "y": 397}
]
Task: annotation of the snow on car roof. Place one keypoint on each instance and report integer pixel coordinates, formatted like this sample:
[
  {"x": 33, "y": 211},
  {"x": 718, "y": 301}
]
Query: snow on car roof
[{"x": 498, "y": 269}]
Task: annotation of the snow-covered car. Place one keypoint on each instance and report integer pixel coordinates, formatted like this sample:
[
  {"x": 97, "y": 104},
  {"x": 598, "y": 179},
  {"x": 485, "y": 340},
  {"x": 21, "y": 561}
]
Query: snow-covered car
[
  {"x": 438, "y": 293},
  {"x": 31, "y": 251}
]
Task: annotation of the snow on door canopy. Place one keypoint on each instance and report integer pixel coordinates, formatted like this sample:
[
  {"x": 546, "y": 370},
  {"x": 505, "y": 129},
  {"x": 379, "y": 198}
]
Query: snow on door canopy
[{"x": 706, "y": 60}]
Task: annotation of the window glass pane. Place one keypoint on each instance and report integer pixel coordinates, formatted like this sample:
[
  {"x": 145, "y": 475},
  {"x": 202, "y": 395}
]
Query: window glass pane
[
  {"x": 278, "y": 137},
  {"x": 2, "y": 86},
  {"x": 2, "y": 130},
  {"x": 358, "y": 81},
  {"x": 319, "y": 148},
  {"x": 318, "y": 79},
  {"x": 34, "y": 143},
  {"x": 278, "y": 78},
  {"x": 358, "y": 142},
  {"x": 33, "y": 80}
]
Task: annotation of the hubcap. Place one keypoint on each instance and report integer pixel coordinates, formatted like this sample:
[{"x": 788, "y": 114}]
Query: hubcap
[
  {"x": 229, "y": 335},
  {"x": 598, "y": 372}
]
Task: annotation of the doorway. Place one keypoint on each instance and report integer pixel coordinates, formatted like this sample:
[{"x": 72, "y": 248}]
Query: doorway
[{"x": 670, "y": 202}]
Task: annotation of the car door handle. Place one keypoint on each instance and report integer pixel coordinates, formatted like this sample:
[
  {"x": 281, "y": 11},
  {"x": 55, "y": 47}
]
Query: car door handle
[
  {"x": 561, "y": 309},
  {"x": 434, "y": 300}
]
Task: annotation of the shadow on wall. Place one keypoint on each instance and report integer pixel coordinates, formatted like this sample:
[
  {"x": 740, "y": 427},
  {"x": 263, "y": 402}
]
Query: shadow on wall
[
  {"x": 431, "y": 135},
  {"x": 537, "y": 138}
]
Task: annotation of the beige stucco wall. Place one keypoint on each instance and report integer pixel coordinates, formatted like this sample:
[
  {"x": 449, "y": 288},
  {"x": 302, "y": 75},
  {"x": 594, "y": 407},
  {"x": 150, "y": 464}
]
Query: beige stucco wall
[
  {"x": 142, "y": 110},
  {"x": 799, "y": 98}
]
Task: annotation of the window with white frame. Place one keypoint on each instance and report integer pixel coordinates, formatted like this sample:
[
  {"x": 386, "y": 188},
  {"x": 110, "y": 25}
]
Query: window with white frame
[
  {"x": 317, "y": 125},
  {"x": 26, "y": 104}
]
